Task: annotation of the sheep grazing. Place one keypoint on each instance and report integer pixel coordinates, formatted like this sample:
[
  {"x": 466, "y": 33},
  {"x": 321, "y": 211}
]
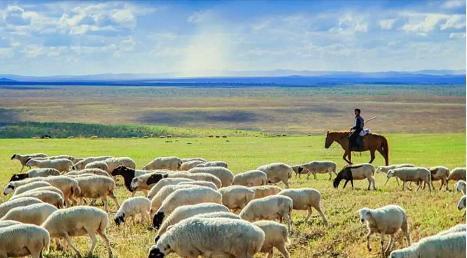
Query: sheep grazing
[
  {"x": 271, "y": 207},
  {"x": 251, "y": 178},
  {"x": 187, "y": 211},
  {"x": 30, "y": 186},
  {"x": 226, "y": 176},
  {"x": 356, "y": 172},
  {"x": 276, "y": 235},
  {"x": 411, "y": 174},
  {"x": 457, "y": 174},
  {"x": 199, "y": 183},
  {"x": 20, "y": 202},
  {"x": 78, "y": 221},
  {"x": 439, "y": 173},
  {"x": 45, "y": 196},
  {"x": 185, "y": 197},
  {"x": 385, "y": 169},
  {"x": 69, "y": 187},
  {"x": 220, "y": 214},
  {"x": 305, "y": 199},
  {"x": 315, "y": 167},
  {"x": 43, "y": 188},
  {"x": 164, "y": 182},
  {"x": 98, "y": 164},
  {"x": 37, "y": 172},
  {"x": 32, "y": 214},
  {"x": 132, "y": 207},
  {"x": 449, "y": 245},
  {"x": 82, "y": 163},
  {"x": 23, "y": 159},
  {"x": 385, "y": 220},
  {"x": 277, "y": 172},
  {"x": 11, "y": 186},
  {"x": 128, "y": 174},
  {"x": 198, "y": 177},
  {"x": 213, "y": 164},
  {"x": 461, "y": 204},
  {"x": 210, "y": 238},
  {"x": 113, "y": 163},
  {"x": 62, "y": 165},
  {"x": 23, "y": 240},
  {"x": 146, "y": 181},
  {"x": 161, "y": 195},
  {"x": 235, "y": 197},
  {"x": 170, "y": 163},
  {"x": 95, "y": 187},
  {"x": 460, "y": 186},
  {"x": 88, "y": 171},
  {"x": 454, "y": 229},
  {"x": 187, "y": 165},
  {"x": 265, "y": 190}
]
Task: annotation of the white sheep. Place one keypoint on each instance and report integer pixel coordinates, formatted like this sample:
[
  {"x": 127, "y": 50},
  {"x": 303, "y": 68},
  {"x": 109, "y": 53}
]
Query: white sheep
[
  {"x": 439, "y": 173},
  {"x": 95, "y": 187},
  {"x": 356, "y": 172},
  {"x": 461, "y": 204},
  {"x": 316, "y": 167},
  {"x": 251, "y": 178},
  {"x": 161, "y": 195},
  {"x": 100, "y": 164},
  {"x": 43, "y": 188},
  {"x": 7, "y": 223},
  {"x": 185, "y": 197},
  {"x": 23, "y": 158},
  {"x": 8, "y": 205},
  {"x": 457, "y": 174},
  {"x": 235, "y": 197},
  {"x": 94, "y": 171},
  {"x": 146, "y": 181},
  {"x": 193, "y": 159},
  {"x": 132, "y": 207},
  {"x": 78, "y": 221},
  {"x": 45, "y": 196},
  {"x": 385, "y": 169},
  {"x": 32, "y": 214},
  {"x": 187, "y": 165},
  {"x": 37, "y": 172},
  {"x": 277, "y": 172},
  {"x": 225, "y": 175},
  {"x": 200, "y": 183},
  {"x": 23, "y": 240},
  {"x": 171, "y": 163},
  {"x": 82, "y": 163},
  {"x": 265, "y": 190},
  {"x": 219, "y": 214},
  {"x": 210, "y": 238},
  {"x": 460, "y": 186},
  {"x": 449, "y": 245},
  {"x": 411, "y": 174},
  {"x": 276, "y": 235},
  {"x": 30, "y": 186},
  {"x": 113, "y": 163},
  {"x": 271, "y": 207},
  {"x": 198, "y": 177},
  {"x": 213, "y": 164},
  {"x": 69, "y": 187},
  {"x": 306, "y": 199},
  {"x": 385, "y": 220},
  {"x": 62, "y": 165},
  {"x": 187, "y": 211},
  {"x": 164, "y": 182},
  {"x": 454, "y": 229}
]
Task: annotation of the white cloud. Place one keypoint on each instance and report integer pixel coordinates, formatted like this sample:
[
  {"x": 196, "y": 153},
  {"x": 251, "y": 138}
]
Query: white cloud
[
  {"x": 450, "y": 4},
  {"x": 453, "y": 22},
  {"x": 201, "y": 16},
  {"x": 457, "y": 35},
  {"x": 428, "y": 22},
  {"x": 387, "y": 24},
  {"x": 349, "y": 24}
]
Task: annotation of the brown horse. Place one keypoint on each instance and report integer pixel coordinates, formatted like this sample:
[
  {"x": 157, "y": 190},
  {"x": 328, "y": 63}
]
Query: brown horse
[{"x": 371, "y": 142}]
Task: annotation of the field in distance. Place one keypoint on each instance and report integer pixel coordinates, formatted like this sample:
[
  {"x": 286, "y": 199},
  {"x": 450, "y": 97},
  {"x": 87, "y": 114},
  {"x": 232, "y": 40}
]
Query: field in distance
[{"x": 428, "y": 212}]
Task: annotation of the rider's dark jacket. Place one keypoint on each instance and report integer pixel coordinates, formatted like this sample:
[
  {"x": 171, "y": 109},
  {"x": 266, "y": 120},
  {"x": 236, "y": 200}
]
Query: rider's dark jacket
[{"x": 359, "y": 123}]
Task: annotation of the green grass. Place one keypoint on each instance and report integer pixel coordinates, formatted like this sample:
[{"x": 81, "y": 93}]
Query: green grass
[{"x": 428, "y": 212}]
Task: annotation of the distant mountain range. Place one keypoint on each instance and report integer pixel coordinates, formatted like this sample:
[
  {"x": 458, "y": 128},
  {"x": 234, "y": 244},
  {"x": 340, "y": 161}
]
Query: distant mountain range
[{"x": 253, "y": 78}]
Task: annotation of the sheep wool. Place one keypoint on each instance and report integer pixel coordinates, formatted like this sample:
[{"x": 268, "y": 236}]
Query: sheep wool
[
  {"x": 32, "y": 214},
  {"x": 225, "y": 175},
  {"x": 272, "y": 207},
  {"x": 19, "y": 202},
  {"x": 235, "y": 197},
  {"x": 277, "y": 172},
  {"x": 276, "y": 235},
  {"x": 306, "y": 199},
  {"x": 132, "y": 207},
  {"x": 23, "y": 240},
  {"x": 251, "y": 178}
]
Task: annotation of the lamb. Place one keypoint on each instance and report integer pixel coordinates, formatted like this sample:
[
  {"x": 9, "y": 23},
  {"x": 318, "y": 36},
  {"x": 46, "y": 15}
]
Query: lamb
[
  {"x": 461, "y": 204},
  {"x": 146, "y": 181},
  {"x": 171, "y": 163},
  {"x": 32, "y": 214},
  {"x": 98, "y": 164},
  {"x": 235, "y": 197},
  {"x": 95, "y": 187},
  {"x": 448, "y": 245},
  {"x": 30, "y": 186},
  {"x": 62, "y": 165},
  {"x": 78, "y": 221},
  {"x": 45, "y": 196},
  {"x": 315, "y": 167},
  {"x": 93, "y": 171},
  {"x": 460, "y": 186},
  {"x": 187, "y": 211},
  {"x": 271, "y": 207},
  {"x": 187, "y": 165},
  {"x": 131, "y": 207},
  {"x": 356, "y": 172},
  {"x": 185, "y": 197},
  {"x": 213, "y": 164},
  {"x": 251, "y": 178},
  {"x": 457, "y": 174},
  {"x": 385, "y": 169},
  {"x": 19, "y": 202},
  {"x": 37, "y": 172},
  {"x": 454, "y": 229},
  {"x": 161, "y": 195},
  {"x": 128, "y": 174},
  {"x": 23, "y": 240},
  {"x": 164, "y": 182},
  {"x": 210, "y": 238},
  {"x": 413, "y": 174},
  {"x": 265, "y": 190},
  {"x": 277, "y": 172},
  {"x": 198, "y": 177},
  {"x": 385, "y": 220},
  {"x": 113, "y": 163},
  {"x": 276, "y": 235},
  {"x": 23, "y": 159},
  {"x": 226, "y": 176},
  {"x": 439, "y": 173},
  {"x": 82, "y": 163},
  {"x": 305, "y": 199}
]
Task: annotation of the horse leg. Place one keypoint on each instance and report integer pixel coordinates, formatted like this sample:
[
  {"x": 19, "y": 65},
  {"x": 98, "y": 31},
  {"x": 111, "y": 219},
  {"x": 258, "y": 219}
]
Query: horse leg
[
  {"x": 345, "y": 157},
  {"x": 372, "y": 156},
  {"x": 381, "y": 151}
]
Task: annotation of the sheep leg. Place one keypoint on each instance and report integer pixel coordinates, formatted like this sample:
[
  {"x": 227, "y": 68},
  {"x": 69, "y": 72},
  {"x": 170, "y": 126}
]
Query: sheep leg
[
  {"x": 112, "y": 196},
  {"x": 397, "y": 181},
  {"x": 92, "y": 235},
  {"x": 314, "y": 176},
  {"x": 403, "y": 185},
  {"x": 330, "y": 175},
  {"x": 271, "y": 253},
  {"x": 382, "y": 245},
  {"x": 419, "y": 186},
  {"x": 281, "y": 247},
  {"x": 68, "y": 240},
  {"x": 308, "y": 214},
  {"x": 106, "y": 206},
  {"x": 351, "y": 182},
  {"x": 346, "y": 181},
  {"x": 321, "y": 213},
  {"x": 106, "y": 240},
  {"x": 368, "y": 240},
  {"x": 286, "y": 183},
  {"x": 389, "y": 247}
]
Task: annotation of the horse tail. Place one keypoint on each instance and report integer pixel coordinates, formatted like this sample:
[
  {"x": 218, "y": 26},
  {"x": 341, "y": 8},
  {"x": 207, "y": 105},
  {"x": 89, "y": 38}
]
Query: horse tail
[{"x": 385, "y": 150}]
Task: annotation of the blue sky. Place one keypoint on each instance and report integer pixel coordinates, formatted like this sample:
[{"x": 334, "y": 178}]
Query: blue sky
[{"x": 196, "y": 38}]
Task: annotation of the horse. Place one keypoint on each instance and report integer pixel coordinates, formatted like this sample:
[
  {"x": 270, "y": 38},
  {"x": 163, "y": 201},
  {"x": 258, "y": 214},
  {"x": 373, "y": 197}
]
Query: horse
[{"x": 371, "y": 142}]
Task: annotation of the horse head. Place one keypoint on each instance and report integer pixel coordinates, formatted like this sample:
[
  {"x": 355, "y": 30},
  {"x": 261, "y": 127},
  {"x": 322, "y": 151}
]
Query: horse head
[{"x": 329, "y": 140}]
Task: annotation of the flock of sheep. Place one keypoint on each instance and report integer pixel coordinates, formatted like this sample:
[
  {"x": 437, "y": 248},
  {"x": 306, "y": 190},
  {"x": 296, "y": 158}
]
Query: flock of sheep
[{"x": 198, "y": 207}]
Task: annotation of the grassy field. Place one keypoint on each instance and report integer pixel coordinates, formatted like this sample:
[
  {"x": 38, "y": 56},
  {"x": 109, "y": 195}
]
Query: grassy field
[{"x": 428, "y": 212}]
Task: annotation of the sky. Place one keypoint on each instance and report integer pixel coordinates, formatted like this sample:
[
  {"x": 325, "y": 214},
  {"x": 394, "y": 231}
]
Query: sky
[{"x": 202, "y": 38}]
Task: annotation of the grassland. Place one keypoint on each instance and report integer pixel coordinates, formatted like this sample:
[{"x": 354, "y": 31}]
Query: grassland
[{"x": 428, "y": 212}]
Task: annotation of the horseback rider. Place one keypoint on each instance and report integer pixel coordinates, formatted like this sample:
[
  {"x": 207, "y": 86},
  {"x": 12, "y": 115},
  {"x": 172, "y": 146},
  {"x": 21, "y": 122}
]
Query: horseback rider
[{"x": 359, "y": 123}]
